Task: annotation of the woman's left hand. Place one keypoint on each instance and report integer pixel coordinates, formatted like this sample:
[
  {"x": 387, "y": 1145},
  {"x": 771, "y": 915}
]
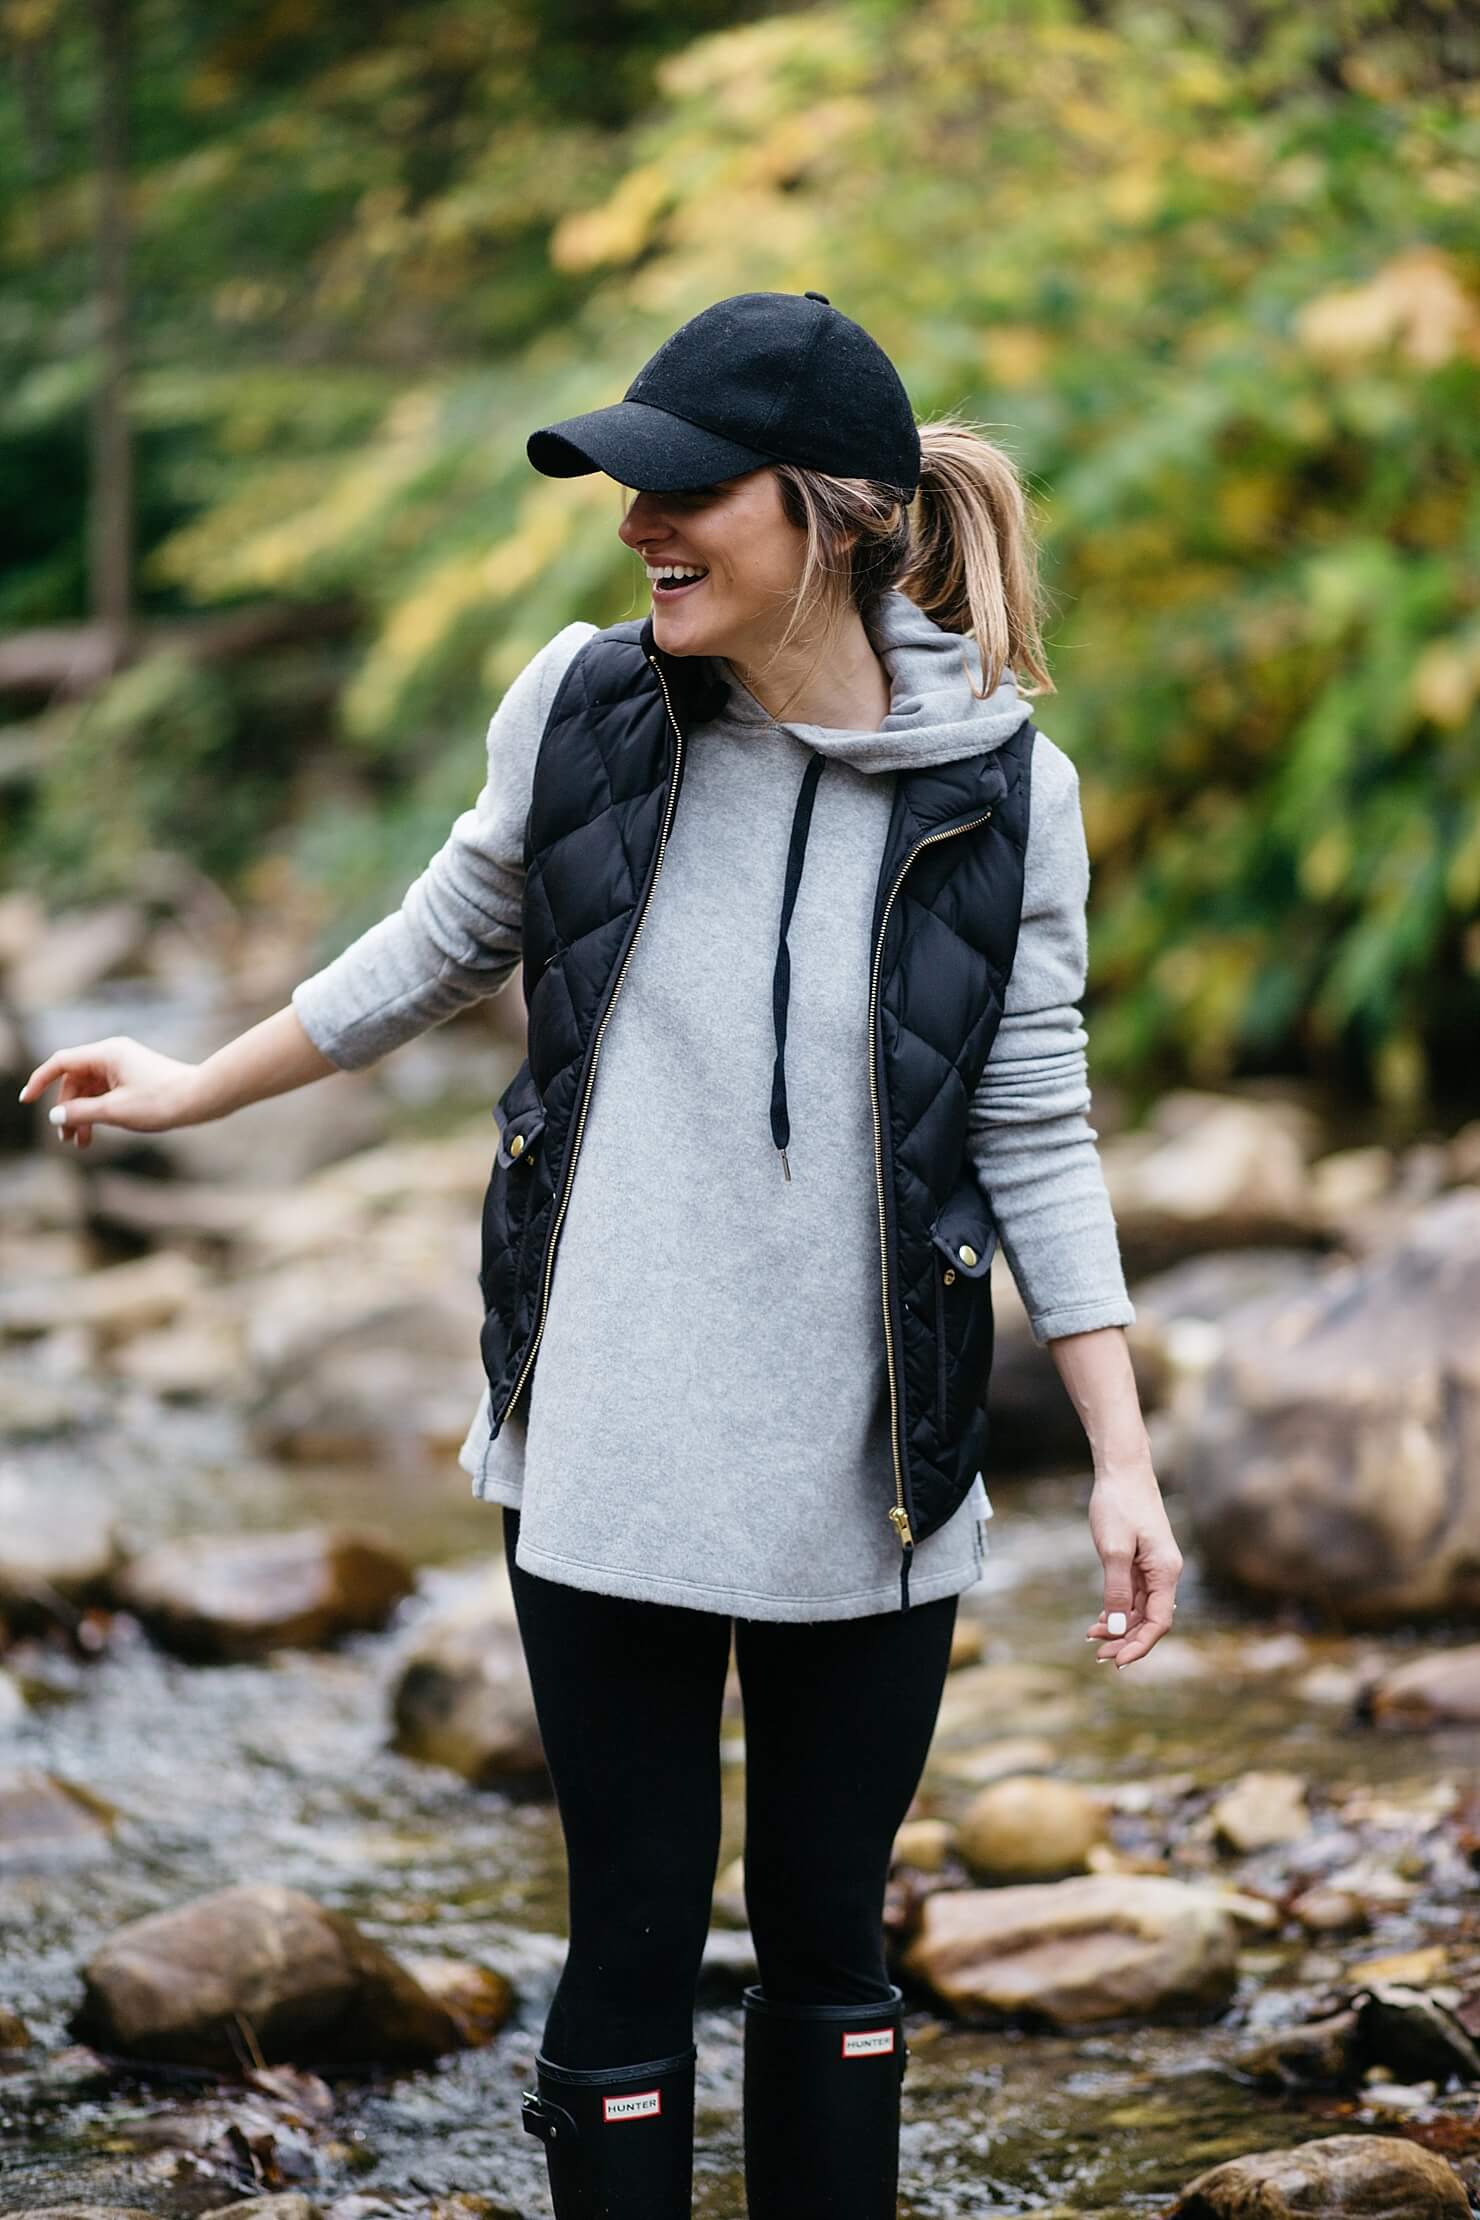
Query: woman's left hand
[{"x": 1142, "y": 1563}]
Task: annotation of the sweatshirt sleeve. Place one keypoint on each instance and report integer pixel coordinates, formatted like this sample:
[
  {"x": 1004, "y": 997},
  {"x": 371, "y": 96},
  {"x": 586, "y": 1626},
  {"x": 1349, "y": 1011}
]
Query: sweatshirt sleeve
[
  {"x": 457, "y": 934},
  {"x": 1028, "y": 1130}
]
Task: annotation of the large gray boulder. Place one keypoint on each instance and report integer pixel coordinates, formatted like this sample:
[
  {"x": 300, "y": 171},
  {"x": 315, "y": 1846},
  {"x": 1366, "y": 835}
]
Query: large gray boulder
[
  {"x": 1333, "y": 1457},
  {"x": 463, "y": 1698}
]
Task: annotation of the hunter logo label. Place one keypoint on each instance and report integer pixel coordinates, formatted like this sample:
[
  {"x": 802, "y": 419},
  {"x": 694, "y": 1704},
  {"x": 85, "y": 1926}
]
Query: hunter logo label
[
  {"x": 870, "y": 2042},
  {"x": 645, "y": 2106}
]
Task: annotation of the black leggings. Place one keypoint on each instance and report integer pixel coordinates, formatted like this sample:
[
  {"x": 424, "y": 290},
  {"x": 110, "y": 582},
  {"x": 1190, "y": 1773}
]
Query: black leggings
[{"x": 838, "y": 1719}]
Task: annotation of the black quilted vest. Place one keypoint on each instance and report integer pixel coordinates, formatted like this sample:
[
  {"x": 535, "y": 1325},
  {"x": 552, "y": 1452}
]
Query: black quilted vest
[{"x": 607, "y": 781}]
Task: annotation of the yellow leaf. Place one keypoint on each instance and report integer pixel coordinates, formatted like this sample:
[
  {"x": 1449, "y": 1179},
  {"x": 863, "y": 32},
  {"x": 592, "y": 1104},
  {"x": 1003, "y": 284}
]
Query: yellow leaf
[
  {"x": 1415, "y": 303},
  {"x": 1446, "y": 682}
]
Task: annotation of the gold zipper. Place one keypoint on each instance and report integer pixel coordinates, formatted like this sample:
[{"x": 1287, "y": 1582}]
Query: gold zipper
[
  {"x": 575, "y": 1149},
  {"x": 899, "y": 1517}
]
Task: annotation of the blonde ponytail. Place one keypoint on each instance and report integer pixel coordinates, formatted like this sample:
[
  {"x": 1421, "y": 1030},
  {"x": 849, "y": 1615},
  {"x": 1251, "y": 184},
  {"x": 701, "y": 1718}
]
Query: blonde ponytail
[
  {"x": 963, "y": 550},
  {"x": 973, "y": 561}
]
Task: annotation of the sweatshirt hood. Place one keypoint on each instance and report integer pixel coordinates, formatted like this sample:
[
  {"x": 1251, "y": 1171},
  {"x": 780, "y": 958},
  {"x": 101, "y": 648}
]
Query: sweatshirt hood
[{"x": 934, "y": 716}]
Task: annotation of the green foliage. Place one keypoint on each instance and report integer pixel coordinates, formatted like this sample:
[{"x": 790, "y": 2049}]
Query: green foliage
[
  {"x": 136, "y": 771},
  {"x": 1211, "y": 275}
]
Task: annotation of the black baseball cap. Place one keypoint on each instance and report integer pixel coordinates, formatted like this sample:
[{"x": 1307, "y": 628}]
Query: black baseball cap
[{"x": 757, "y": 378}]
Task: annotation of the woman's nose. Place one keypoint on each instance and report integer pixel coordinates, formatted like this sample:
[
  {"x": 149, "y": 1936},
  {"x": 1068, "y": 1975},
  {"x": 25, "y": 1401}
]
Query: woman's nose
[{"x": 643, "y": 520}]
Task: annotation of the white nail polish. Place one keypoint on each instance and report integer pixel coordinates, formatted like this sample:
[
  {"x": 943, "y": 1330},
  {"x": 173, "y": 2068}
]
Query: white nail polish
[
  {"x": 58, "y": 1113},
  {"x": 1116, "y": 1622}
]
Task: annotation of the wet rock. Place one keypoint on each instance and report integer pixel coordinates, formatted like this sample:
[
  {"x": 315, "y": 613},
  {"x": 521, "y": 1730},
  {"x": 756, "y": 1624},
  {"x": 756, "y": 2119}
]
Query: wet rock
[
  {"x": 1273, "y": 1653},
  {"x": 287, "y": 2204},
  {"x": 167, "y": 1211},
  {"x": 924, "y": 1844},
  {"x": 1079, "y": 1952},
  {"x": 463, "y": 1699},
  {"x": 1260, "y": 1809},
  {"x": 76, "y": 950},
  {"x": 403, "y": 1392},
  {"x": 1322, "y": 2053},
  {"x": 1015, "y": 1753},
  {"x": 47, "y": 1824},
  {"x": 1034, "y": 1424},
  {"x": 728, "y": 1902},
  {"x": 1323, "y": 1910},
  {"x": 1181, "y": 1312},
  {"x": 968, "y": 1644},
  {"x": 1441, "y": 1689},
  {"x": 1028, "y": 1827},
  {"x": 200, "y": 1356},
  {"x": 1333, "y": 1458},
  {"x": 41, "y": 1397},
  {"x": 414, "y": 1175},
  {"x": 1414, "y": 2035},
  {"x": 1347, "y": 2177},
  {"x": 76, "y": 2212},
  {"x": 1383, "y": 2027},
  {"x": 478, "y": 1999},
  {"x": 256, "y": 1972},
  {"x": 118, "y": 1300},
  {"x": 1345, "y": 1183},
  {"x": 1410, "y": 1969},
  {"x": 215, "y": 1596},
  {"x": 30, "y": 1254},
  {"x": 307, "y": 2095},
  {"x": 1212, "y": 1171},
  {"x": 358, "y": 1360},
  {"x": 42, "y": 1199},
  {"x": 56, "y": 1542}
]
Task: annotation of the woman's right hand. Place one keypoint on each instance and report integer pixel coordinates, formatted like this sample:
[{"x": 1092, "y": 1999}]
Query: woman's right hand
[{"x": 116, "y": 1082}]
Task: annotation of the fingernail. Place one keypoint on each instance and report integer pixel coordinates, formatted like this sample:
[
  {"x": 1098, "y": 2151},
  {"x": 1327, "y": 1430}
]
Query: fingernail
[
  {"x": 58, "y": 1113},
  {"x": 1116, "y": 1622}
]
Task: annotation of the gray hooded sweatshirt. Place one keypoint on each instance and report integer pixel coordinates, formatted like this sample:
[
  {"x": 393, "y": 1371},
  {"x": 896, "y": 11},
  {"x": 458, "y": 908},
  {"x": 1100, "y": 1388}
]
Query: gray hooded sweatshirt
[{"x": 708, "y": 1420}]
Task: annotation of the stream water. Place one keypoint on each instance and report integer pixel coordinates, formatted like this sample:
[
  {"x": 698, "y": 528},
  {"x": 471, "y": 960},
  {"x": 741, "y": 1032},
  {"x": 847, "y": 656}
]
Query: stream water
[{"x": 282, "y": 1770}]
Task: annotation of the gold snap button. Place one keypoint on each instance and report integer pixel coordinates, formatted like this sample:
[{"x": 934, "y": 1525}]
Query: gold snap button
[
  {"x": 516, "y": 1146},
  {"x": 949, "y": 1274},
  {"x": 968, "y": 1253}
]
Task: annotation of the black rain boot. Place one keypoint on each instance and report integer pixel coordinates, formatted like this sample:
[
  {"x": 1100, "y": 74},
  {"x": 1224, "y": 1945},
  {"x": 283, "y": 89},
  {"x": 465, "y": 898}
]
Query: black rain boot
[
  {"x": 822, "y": 2102},
  {"x": 619, "y": 2141}
]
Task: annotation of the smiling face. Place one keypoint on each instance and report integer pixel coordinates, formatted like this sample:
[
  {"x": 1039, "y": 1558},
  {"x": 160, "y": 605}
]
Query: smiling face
[{"x": 750, "y": 554}]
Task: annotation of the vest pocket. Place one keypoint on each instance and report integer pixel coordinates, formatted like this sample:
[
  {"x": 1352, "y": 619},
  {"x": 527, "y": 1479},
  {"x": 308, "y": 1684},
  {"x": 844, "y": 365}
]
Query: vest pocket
[
  {"x": 965, "y": 1239},
  {"x": 520, "y": 1117}
]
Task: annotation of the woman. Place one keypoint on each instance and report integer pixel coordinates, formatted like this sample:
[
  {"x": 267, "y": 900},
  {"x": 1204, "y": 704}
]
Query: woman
[{"x": 811, "y": 1035}]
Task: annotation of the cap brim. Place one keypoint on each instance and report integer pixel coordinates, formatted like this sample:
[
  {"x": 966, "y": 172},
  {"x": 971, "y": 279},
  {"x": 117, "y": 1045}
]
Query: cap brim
[{"x": 639, "y": 446}]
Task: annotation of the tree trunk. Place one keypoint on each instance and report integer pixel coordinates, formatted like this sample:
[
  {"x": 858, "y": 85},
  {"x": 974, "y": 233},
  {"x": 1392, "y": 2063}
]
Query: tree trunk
[{"x": 111, "y": 522}]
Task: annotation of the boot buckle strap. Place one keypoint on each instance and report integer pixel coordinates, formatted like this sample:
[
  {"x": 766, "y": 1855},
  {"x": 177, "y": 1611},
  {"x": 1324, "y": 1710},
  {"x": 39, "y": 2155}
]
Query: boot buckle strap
[{"x": 550, "y": 2122}]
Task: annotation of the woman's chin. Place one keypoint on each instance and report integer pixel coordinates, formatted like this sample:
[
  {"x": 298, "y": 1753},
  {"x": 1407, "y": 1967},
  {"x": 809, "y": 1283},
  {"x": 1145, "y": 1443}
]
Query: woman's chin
[{"x": 677, "y": 634}]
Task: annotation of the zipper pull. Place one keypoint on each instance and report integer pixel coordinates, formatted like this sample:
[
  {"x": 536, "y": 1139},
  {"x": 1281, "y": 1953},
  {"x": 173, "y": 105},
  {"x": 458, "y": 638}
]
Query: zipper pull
[
  {"x": 785, "y": 1166},
  {"x": 899, "y": 1519}
]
